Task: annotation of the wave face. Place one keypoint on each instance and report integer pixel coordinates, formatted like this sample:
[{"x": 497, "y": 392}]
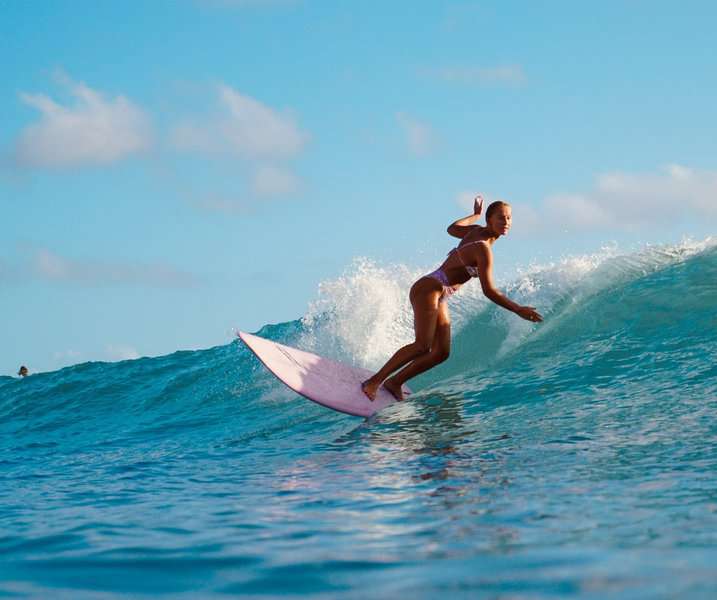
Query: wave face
[{"x": 572, "y": 458}]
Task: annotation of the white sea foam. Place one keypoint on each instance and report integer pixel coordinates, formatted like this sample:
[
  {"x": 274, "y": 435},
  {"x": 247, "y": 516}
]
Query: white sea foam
[
  {"x": 364, "y": 315},
  {"x": 566, "y": 283}
]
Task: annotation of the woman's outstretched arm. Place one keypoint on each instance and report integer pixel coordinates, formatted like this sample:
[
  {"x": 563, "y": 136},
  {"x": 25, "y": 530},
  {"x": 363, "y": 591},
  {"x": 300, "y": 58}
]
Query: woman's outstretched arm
[
  {"x": 485, "y": 273},
  {"x": 462, "y": 226}
]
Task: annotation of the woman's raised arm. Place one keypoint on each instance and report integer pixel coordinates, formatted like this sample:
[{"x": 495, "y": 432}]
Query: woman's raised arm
[{"x": 461, "y": 227}]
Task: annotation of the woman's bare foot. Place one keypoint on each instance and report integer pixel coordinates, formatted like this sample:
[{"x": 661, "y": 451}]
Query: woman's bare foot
[
  {"x": 370, "y": 388},
  {"x": 394, "y": 388}
]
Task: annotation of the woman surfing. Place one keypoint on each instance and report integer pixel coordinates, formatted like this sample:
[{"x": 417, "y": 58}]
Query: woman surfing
[{"x": 473, "y": 257}]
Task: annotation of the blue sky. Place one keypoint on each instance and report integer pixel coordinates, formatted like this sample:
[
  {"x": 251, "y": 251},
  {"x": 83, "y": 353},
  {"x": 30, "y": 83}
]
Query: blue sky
[{"x": 170, "y": 171}]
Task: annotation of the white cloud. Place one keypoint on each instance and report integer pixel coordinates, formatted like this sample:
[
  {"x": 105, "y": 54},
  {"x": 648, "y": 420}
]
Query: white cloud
[
  {"x": 94, "y": 130},
  {"x": 633, "y": 201},
  {"x": 121, "y": 352},
  {"x": 250, "y": 131},
  {"x": 275, "y": 181},
  {"x": 245, "y": 128},
  {"x": 48, "y": 266},
  {"x": 419, "y": 136},
  {"x": 512, "y": 75}
]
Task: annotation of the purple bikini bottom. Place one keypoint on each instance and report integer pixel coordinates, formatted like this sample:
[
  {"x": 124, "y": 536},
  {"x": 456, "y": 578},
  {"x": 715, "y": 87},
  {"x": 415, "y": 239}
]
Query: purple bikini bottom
[{"x": 448, "y": 290}]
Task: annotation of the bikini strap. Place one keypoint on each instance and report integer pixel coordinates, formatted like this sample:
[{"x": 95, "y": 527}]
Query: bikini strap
[
  {"x": 469, "y": 243},
  {"x": 457, "y": 248}
]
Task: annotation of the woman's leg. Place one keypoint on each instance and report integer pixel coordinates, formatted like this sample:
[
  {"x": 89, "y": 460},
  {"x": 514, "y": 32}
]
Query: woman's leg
[
  {"x": 440, "y": 350},
  {"x": 425, "y": 295}
]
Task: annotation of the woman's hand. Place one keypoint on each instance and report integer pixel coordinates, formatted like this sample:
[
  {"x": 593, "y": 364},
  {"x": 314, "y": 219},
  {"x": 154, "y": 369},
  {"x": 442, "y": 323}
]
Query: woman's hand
[
  {"x": 529, "y": 314},
  {"x": 478, "y": 205}
]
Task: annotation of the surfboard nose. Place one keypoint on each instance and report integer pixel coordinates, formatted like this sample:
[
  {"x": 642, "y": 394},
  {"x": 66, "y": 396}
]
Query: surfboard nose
[{"x": 322, "y": 380}]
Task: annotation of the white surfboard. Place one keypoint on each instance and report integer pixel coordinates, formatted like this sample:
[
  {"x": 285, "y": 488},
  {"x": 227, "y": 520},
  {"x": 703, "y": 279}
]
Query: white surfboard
[{"x": 325, "y": 381}]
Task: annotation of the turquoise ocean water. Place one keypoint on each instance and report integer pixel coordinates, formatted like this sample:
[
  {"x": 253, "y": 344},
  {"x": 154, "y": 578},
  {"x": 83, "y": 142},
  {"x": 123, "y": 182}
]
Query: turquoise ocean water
[{"x": 576, "y": 458}]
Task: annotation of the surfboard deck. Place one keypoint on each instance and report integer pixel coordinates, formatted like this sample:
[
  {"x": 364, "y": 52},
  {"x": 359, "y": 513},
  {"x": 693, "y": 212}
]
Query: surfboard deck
[{"x": 327, "y": 382}]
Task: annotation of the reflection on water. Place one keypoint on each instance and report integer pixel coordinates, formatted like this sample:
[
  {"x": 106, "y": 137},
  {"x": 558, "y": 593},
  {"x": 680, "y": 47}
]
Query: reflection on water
[{"x": 576, "y": 463}]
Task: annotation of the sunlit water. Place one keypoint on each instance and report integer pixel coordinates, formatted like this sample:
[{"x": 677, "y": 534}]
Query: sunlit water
[{"x": 576, "y": 458}]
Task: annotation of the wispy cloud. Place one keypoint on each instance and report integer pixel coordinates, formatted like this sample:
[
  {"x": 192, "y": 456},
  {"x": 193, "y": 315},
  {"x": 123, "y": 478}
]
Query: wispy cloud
[
  {"x": 630, "y": 202},
  {"x": 419, "y": 136},
  {"x": 263, "y": 139},
  {"x": 92, "y": 130},
  {"x": 510, "y": 75},
  {"x": 275, "y": 181},
  {"x": 637, "y": 200},
  {"x": 48, "y": 266},
  {"x": 244, "y": 127},
  {"x": 117, "y": 352}
]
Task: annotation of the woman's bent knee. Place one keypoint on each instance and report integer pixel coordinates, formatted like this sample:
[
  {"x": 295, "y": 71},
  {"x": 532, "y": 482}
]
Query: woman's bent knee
[
  {"x": 421, "y": 348},
  {"x": 440, "y": 355}
]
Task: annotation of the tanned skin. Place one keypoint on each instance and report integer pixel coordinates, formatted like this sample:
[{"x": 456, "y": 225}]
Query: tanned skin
[{"x": 432, "y": 323}]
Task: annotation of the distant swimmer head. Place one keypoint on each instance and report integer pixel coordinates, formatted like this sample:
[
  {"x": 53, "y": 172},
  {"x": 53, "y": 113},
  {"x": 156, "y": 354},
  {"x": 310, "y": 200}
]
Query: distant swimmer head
[
  {"x": 499, "y": 217},
  {"x": 23, "y": 372}
]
